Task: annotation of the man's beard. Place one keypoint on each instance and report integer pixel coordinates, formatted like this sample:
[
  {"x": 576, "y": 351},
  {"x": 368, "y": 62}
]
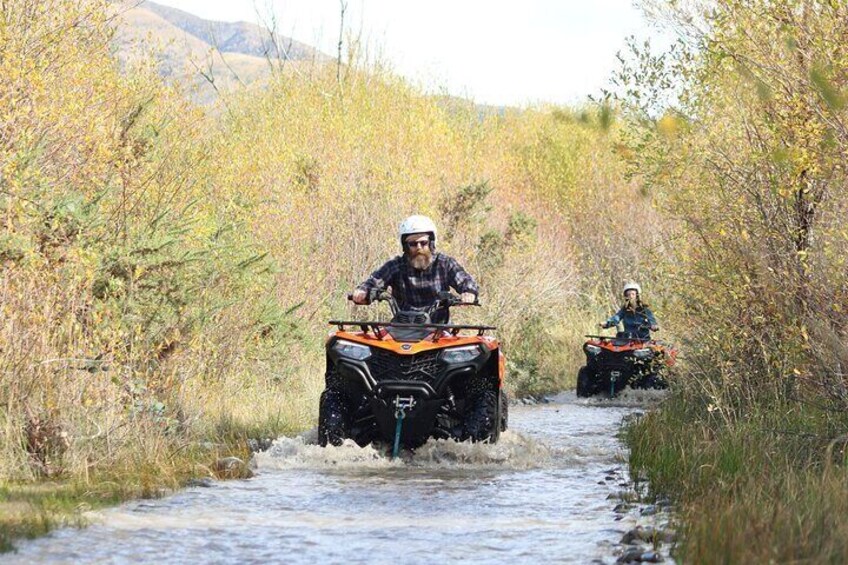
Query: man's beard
[{"x": 421, "y": 261}]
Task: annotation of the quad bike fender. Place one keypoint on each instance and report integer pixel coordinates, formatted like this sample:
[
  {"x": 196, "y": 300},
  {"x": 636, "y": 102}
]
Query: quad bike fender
[
  {"x": 356, "y": 372},
  {"x": 501, "y": 369}
]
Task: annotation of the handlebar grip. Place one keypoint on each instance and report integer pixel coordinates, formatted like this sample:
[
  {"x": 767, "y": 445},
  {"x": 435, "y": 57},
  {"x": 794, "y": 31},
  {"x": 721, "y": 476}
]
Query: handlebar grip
[{"x": 350, "y": 296}]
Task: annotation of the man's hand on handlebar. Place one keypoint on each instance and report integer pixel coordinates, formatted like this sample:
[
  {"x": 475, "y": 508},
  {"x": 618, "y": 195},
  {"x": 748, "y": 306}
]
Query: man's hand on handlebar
[
  {"x": 359, "y": 296},
  {"x": 468, "y": 297},
  {"x": 365, "y": 297}
]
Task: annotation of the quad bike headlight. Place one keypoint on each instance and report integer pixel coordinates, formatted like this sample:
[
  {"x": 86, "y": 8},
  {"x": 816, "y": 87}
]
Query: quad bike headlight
[
  {"x": 460, "y": 354},
  {"x": 352, "y": 350},
  {"x": 592, "y": 349},
  {"x": 644, "y": 353}
]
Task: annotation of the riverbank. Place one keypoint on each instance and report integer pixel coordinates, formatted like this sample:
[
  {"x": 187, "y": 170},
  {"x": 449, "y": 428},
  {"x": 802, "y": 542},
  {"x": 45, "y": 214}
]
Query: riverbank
[
  {"x": 33, "y": 508},
  {"x": 769, "y": 487}
]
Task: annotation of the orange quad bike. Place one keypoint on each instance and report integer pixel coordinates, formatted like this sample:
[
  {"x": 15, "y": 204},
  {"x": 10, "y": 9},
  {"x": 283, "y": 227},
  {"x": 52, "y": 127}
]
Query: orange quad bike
[
  {"x": 613, "y": 363},
  {"x": 402, "y": 382}
]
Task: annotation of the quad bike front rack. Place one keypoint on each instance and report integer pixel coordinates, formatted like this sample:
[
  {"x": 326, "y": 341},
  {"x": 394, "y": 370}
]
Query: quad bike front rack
[{"x": 374, "y": 327}]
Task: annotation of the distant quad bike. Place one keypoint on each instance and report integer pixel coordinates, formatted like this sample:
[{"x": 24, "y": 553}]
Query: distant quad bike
[
  {"x": 402, "y": 382},
  {"x": 613, "y": 363}
]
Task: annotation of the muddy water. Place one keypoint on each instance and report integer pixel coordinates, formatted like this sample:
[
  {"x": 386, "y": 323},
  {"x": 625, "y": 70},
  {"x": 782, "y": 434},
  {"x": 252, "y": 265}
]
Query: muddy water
[{"x": 542, "y": 493}]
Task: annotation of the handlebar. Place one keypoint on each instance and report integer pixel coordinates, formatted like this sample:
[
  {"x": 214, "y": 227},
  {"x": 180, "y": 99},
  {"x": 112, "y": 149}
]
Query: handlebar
[
  {"x": 373, "y": 294},
  {"x": 643, "y": 326},
  {"x": 450, "y": 299},
  {"x": 446, "y": 298}
]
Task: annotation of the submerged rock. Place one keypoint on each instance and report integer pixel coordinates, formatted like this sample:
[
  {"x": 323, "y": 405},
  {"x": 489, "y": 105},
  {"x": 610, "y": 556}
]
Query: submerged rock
[
  {"x": 631, "y": 555},
  {"x": 231, "y": 468},
  {"x": 639, "y": 555},
  {"x": 663, "y": 502},
  {"x": 648, "y": 510},
  {"x": 259, "y": 444},
  {"x": 640, "y": 534}
]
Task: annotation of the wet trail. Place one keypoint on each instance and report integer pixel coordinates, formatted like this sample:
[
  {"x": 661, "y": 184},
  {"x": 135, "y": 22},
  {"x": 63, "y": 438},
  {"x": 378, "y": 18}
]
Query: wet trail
[{"x": 541, "y": 494}]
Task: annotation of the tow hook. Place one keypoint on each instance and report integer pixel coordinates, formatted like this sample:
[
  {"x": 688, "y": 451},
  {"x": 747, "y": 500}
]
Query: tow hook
[
  {"x": 613, "y": 378},
  {"x": 403, "y": 405}
]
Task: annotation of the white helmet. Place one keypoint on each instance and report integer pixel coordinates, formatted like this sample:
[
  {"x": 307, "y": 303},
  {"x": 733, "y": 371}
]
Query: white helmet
[
  {"x": 632, "y": 286},
  {"x": 417, "y": 224}
]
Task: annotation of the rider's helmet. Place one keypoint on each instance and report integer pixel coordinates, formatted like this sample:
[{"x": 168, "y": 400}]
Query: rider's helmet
[
  {"x": 417, "y": 224},
  {"x": 631, "y": 286}
]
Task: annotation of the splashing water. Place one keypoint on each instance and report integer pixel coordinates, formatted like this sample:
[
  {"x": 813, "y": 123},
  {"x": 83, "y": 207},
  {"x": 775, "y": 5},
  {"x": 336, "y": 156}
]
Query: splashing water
[
  {"x": 513, "y": 451},
  {"x": 545, "y": 491}
]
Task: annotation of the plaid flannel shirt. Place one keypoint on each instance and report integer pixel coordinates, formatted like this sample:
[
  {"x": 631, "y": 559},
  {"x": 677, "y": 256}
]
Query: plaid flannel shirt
[{"x": 417, "y": 290}]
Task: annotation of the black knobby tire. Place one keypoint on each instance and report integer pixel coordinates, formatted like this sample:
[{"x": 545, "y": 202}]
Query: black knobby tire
[
  {"x": 584, "y": 383},
  {"x": 447, "y": 425},
  {"x": 481, "y": 421},
  {"x": 653, "y": 381},
  {"x": 504, "y": 410},
  {"x": 363, "y": 425},
  {"x": 333, "y": 418}
]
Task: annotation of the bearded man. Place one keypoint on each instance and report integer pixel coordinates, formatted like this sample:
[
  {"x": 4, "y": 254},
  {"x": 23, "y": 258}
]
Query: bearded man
[{"x": 420, "y": 274}]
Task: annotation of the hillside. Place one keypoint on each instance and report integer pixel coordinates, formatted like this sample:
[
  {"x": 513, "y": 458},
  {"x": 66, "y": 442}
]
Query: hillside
[
  {"x": 204, "y": 55},
  {"x": 233, "y": 37}
]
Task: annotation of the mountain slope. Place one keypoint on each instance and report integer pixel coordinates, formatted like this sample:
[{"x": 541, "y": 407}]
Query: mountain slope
[
  {"x": 207, "y": 57},
  {"x": 234, "y": 37}
]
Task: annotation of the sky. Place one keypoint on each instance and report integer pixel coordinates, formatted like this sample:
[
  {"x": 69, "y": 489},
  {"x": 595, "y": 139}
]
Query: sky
[{"x": 494, "y": 52}]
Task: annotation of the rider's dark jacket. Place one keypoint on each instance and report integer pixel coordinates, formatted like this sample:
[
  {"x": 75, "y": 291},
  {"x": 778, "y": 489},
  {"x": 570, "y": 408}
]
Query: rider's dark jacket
[
  {"x": 417, "y": 290},
  {"x": 637, "y": 323}
]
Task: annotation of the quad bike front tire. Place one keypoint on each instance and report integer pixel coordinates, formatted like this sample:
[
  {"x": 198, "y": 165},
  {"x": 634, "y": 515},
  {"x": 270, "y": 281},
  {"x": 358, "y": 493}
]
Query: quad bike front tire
[
  {"x": 653, "y": 381},
  {"x": 333, "y": 418},
  {"x": 504, "y": 410},
  {"x": 584, "y": 383},
  {"x": 481, "y": 421}
]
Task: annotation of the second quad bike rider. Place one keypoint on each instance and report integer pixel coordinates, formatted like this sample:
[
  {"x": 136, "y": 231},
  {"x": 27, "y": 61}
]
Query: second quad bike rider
[
  {"x": 637, "y": 318},
  {"x": 420, "y": 274}
]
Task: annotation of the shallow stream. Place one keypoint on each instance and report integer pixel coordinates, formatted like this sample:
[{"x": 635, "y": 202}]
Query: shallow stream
[{"x": 546, "y": 492}]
